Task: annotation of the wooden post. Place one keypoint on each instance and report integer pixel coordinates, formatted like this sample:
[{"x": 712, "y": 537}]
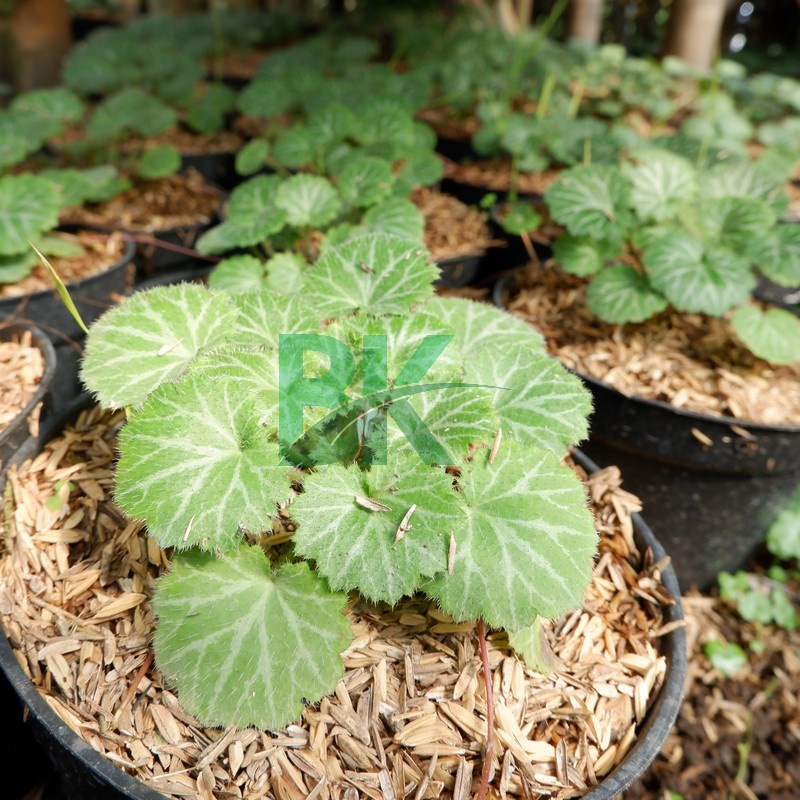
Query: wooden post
[
  {"x": 693, "y": 31},
  {"x": 586, "y": 20},
  {"x": 34, "y": 40}
]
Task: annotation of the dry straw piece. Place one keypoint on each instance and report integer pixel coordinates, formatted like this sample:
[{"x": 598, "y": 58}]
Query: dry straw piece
[
  {"x": 407, "y": 720},
  {"x": 692, "y": 361},
  {"x": 21, "y": 371}
]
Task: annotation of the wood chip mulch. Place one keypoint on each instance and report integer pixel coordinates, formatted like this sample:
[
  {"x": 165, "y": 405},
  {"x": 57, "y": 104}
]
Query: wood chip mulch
[
  {"x": 407, "y": 720},
  {"x": 452, "y": 228},
  {"x": 21, "y": 370},
  {"x": 736, "y": 738},
  {"x": 100, "y": 251},
  {"x": 152, "y": 206},
  {"x": 187, "y": 142},
  {"x": 449, "y": 125},
  {"x": 692, "y": 361},
  {"x": 495, "y": 175}
]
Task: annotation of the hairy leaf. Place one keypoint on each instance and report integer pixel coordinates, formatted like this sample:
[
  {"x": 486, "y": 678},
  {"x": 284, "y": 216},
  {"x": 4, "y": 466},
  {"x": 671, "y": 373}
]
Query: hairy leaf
[
  {"x": 527, "y": 545},
  {"x": 396, "y": 216},
  {"x": 532, "y": 646},
  {"x": 582, "y": 256},
  {"x": 358, "y": 548},
  {"x": 29, "y": 206},
  {"x": 246, "y": 646},
  {"x": 238, "y": 274},
  {"x": 198, "y": 466},
  {"x": 661, "y": 183},
  {"x": 151, "y": 339},
  {"x": 377, "y": 274},
  {"x": 252, "y": 157},
  {"x": 364, "y": 181},
  {"x": 264, "y": 315},
  {"x": 773, "y": 335},
  {"x": 620, "y": 294},
  {"x": 309, "y": 201}
]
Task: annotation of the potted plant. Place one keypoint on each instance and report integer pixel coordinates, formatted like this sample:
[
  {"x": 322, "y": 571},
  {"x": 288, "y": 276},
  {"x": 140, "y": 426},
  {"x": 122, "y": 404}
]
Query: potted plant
[
  {"x": 658, "y": 246},
  {"x": 372, "y": 507}
]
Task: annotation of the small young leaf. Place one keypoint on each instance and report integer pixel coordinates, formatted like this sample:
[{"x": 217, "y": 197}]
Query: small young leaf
[
  {"x": 783, "y": 612},
  {"x": 215, "y": 473},
  {"x": 130, "y": 110},
  {"x": 377, "y": 274},
  {"x": 246, "y": 646},
  {"x": 159, "y": 162},
  {"x": 582, "y": 256},
  {"x": 363, "y": 181},
  {"x": 296, "y": 147},
  {"x": 619, "y": 294},
  {"x": 521, "y": 218},
  {"x": 526, "y": 549},
  {"x": 206, "y": 111},
  {"x": 15, "y": 268},
  {"x": 238, "y": 274},
  {"x": 590, "y": 201},
  {"x": 532, "y": 646},
  {"x": 151, "y": 339},
  {"x": 355, "y": 548},
  {"x": 53, "y": 108},
  {"x": 252, "y": 157},
  {"x": 29, "y": 206},
  {"x": 773, "y": 335},
  {"x": 395, "y": 216},
  {"x": 783, "y": 535},
  {"x": 726, "y": 657},
  {"x": 286, "y": 273},
  {"x": 779, "y": 260},
  {"x": 265, "y": 97},
  {"x": 91, "y": 184},
  {"x": 309, "y": 201},
  {"x": 661, "y": 183}
]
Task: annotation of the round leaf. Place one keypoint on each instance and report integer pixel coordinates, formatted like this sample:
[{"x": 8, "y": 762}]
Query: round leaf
[
  {"x": 620, "y": 294},
  {"x": 773, "y": 335},
  {"x": 309, "y": 201},
  {"x": 29, "y": 206}
]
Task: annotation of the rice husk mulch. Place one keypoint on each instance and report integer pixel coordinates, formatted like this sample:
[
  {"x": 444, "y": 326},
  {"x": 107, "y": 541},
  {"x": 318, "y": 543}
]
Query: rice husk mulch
[
  {"x": 691, "y": 361},
  {"x": 495, "y": 174},
  {"x": 21, "y": 370},
  {"x": 100, "y": 251},
  {"x": 407, "y": 720}
]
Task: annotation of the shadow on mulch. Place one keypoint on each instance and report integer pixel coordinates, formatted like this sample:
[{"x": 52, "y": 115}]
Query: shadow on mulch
[{"x": 736, "y": 738}]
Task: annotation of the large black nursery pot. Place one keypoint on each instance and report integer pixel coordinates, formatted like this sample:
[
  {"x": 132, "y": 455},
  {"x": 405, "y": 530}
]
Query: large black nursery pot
[
  {"x": 85, "y": 774},
  {"x": 17, "y": 431},
  {"x": 710, "y": 484}
]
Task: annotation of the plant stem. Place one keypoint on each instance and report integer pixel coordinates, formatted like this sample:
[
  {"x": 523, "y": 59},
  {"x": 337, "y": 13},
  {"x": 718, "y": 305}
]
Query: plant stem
[{"x": 487, "y": 678}]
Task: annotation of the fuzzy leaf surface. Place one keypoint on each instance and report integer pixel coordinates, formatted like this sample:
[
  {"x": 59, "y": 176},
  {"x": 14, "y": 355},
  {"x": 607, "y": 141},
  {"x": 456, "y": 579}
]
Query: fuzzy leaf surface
[
  {"x": 264, "y": 315},
  {"x": 237, "y": 274},
  {"x": 527, "y": 545},
  {"x": 395, "y": 216},
  {"x": 355, "y": 548},
  {"x": 378, "y": 274},
  {"x": 198, "y": 466},
  {"x": 151, "y": 339},
  {"x": 773, "y": 335},
  {"x": 245, "y": 645},
  {"x": 309, "y": 201}
]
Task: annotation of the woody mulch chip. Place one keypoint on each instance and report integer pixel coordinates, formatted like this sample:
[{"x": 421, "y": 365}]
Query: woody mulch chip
[
  {"x": 495, "y": 175},
  {"x": 692, "y": 361},
  {"x": 407, "y": 720},
  {"x": 21, "y": 371}
]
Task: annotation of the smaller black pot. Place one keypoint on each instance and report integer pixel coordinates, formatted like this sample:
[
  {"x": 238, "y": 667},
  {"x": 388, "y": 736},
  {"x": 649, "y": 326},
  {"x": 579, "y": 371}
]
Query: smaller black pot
[
  {"x": 13, "y": 436},
  {"x": 459, "y": 271},
  {"x": 170, "y": 251},
  {"x": 218, "y": 169},
  {"x": 91, "y": 295},
  {"x": 771, "y": 292}
]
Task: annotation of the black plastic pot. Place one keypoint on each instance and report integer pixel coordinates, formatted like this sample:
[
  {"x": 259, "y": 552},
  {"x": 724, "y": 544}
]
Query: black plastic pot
[
  {"x": 778, "y": 295},
  {"x": 87, "y": 775},
  {"x": 91, "y": 295},
  {"x": 459, "y": 270},
  {"x": 218, "y": 169},
  {"x": 167, "y": 254},
  {"x": 709, "y": 503},
  {"x": 17, "y": 431}
]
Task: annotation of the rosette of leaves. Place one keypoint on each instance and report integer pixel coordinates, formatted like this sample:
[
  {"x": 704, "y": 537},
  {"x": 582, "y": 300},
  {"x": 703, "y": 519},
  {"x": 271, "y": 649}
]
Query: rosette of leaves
[
  {"x": 658, "y": 232},
  {"x": 496, "y": 529}
]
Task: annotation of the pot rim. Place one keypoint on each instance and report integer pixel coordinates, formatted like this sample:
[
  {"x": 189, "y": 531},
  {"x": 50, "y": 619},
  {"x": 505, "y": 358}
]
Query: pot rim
[{"x": 724, "y": 420}]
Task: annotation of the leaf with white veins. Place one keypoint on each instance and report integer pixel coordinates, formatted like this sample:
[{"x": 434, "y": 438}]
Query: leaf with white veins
[{"x": 245, "y": 645}]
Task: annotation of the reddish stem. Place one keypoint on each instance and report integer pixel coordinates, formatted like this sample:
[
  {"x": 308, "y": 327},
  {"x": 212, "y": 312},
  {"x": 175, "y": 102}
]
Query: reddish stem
[{"x": 487, "y": 678}]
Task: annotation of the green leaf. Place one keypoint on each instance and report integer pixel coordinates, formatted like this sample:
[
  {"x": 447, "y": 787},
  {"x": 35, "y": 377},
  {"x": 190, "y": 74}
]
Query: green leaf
[
  {"x": 56, "y": 246},
  {"x": 740, "y": 224},
  {"x": 783, "y": 535},
  {"x": 158, "y": 162},
  {"x": 282, "y": 651},
  {"x": 14, "y": 148},
  {"x": 532, "y": 646},
  {"x": 582, "y": 256},
  {"x": 151, "y": 339},
  {"x": 395, "y": 216},
  {"x": 309, "y": 201},
  {"x": 661, "y": 183},
  {"x": 198, "y": 466},
  {"x": 286, "y": 273},
  {"x": 29, "y": 206},
  {"x": 53, "y": 109},
  {"x": 15, "y": 268},
  {"x": 527, "y": 546},
  {"x": 619, "y": 294},
  {"x": 252, "y": 217},
  {"x": 237, "y": 274},
  {"x": 780, "y": 258},
  {"x": 332, "y": 123},
  {"x": 358, "y": 548},
  {"x": 377, "y": 274},
  {"x": 130, "y": 111},
  {"x": 590, "y": 201},
  {"x": 783, "y": 612},
  {"x": 693, "y": 277},
  {"x": 296, "y": 147},
  {"x": 266, "y": 97},
  {"x": 205, "y": 112},
  {"x": 773, "y": 335},
  {"x": 521, "y": 218},
  {"x": 264, "y": 315},
  {"x": 727, "y": 658},
  {"x": 91, "y": 184},
  {"x": 252, "y": 157},
  {"x": 363, "y": 181}
]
